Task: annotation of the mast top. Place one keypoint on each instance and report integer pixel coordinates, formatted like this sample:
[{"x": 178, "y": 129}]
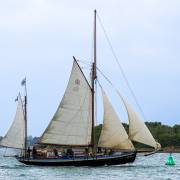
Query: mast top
[{"x": 95, "y": 56}]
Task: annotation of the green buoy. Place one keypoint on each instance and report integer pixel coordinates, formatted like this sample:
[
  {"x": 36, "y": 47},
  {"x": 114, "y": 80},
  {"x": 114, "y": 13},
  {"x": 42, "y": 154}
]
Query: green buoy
[{"x": 170, "y": 161}]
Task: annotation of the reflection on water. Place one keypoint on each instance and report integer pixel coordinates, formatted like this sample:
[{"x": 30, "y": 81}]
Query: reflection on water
[{"x": 151, "y": 168}]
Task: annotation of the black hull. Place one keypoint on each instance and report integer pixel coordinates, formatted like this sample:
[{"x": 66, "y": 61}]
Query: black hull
[{"x": 96, "y": 161}]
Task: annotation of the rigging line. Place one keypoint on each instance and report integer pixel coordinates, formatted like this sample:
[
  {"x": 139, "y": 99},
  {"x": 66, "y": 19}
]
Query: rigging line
[
  {"x": 112, "y": 87},
  {"x": 105, "y": 78},
  {"x": 120, "y": 67},
  {"x": 99, "y": 83}
]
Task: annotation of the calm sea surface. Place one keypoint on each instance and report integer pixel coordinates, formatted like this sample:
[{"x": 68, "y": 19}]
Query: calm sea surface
[{"x": 151, "y": 167}]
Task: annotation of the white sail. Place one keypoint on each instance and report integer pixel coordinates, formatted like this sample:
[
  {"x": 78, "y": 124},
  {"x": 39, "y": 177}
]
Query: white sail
[
  {"x": 138, "y": 131},
  {"x": 15, "y": 137},
  {"x": 113, "y": 134},
  {"x": 72, "y": 122}
]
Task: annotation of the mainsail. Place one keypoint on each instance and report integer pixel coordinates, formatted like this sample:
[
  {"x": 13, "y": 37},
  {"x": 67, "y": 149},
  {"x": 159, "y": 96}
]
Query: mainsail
[
  {"x": 113, "y": 134},
  {"x": 15, "y": 137},
  {"x": 72, "y": 122},
  {"x": 138, "y": 131}
]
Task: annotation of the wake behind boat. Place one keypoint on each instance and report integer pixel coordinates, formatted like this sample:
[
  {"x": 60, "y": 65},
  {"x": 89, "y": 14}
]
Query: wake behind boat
[{"x": 72, "y": 127}]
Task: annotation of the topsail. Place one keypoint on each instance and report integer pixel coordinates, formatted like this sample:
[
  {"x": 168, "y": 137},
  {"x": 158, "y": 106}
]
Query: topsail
[
  {"x": 16, "y": 134},
  {"x": 72, "y": 122}
]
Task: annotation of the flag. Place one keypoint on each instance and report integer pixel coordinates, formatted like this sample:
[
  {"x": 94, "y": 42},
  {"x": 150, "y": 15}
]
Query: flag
[
  {"x": 23, "y": 82},
  {"x": 16, "y": 99}
]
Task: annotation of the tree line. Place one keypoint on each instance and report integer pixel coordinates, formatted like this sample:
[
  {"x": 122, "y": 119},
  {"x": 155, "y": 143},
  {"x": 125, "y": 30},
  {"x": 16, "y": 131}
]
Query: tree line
[{"x": 167, "y": 136}]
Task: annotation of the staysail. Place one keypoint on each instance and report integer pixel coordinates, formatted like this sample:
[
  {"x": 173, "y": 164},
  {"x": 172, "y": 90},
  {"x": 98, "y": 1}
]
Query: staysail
[
  {"x": 15, "y": 137},
  {"x": 72, "y": 122},
  {"x": 113, "y": 134},
  {"x": 138, "y": 131}
]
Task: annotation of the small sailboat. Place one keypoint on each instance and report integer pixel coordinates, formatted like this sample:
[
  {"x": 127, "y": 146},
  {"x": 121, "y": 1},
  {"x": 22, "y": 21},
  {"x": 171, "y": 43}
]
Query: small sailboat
[
  {"x": 15, "y": 137},
  {"x": 73, "y": 127}
]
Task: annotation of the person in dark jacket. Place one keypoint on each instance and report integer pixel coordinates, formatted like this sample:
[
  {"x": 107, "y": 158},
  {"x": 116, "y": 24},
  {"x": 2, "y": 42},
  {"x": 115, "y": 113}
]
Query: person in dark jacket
[
  {"x": 55, "y": 152},
  {"x": 34, "y": 152},
  {"x": 28, "y": 152}
]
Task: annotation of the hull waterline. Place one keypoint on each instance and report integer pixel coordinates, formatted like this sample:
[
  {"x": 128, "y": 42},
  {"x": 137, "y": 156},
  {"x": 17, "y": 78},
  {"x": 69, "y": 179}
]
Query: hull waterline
[{"x": 96, "y": 161}]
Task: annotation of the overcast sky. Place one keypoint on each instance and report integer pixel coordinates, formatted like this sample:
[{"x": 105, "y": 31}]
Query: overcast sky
[{"x": 39, "y": 37}]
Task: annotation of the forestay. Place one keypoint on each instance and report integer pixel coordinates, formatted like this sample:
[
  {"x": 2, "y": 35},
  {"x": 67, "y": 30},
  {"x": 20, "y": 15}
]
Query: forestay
[
  {"x": 138, "y": 131},
  {"x": 72, "y": 122},
  {"x": 113, "y": 134},
  {"x": 15, "y": 137}
]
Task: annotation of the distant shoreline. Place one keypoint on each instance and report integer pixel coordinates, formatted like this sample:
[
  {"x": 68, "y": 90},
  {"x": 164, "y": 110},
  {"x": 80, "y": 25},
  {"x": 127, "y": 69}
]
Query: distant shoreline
[
  {"x": 158, "y": 152},
  {"x": 164, "y": 150}
]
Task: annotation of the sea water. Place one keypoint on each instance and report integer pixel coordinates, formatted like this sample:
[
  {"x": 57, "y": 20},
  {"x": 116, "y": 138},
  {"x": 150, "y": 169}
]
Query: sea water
[{"x": 150, "y": 167}]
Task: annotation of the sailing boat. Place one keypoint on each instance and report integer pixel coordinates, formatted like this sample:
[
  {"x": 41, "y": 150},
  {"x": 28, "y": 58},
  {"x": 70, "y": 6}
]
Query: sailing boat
[
  {"x": 72, "y": 126},
  {"x": 15, "y": 137}
]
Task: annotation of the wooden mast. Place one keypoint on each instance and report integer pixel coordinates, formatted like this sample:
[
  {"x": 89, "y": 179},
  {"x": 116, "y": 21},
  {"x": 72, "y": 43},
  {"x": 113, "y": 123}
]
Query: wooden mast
[
  {"x": 25, "y": 116},
  {"x": 93, "y": 89}
]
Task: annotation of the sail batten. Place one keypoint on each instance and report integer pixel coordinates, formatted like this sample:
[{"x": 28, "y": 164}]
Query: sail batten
[
  {"x": 138, "y": 131},
  {"x": 72, "y": 122},
  {"x": 113, "y": 134},
  {"x": 15, "y": 137}
]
